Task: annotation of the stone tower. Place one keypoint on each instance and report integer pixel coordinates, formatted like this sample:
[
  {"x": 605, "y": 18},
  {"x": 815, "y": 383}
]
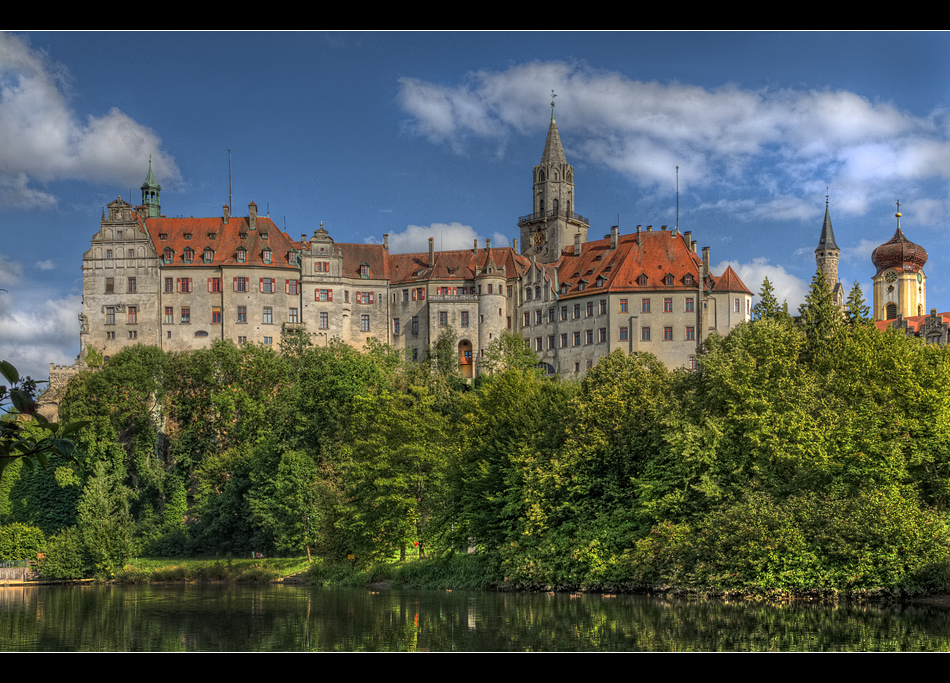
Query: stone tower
[
  {"x": 151, "y": 191},
  {"x": 826, "y": 256},
  {"x": 552, "y": 225},
  {"x": 900, "y": 286}
]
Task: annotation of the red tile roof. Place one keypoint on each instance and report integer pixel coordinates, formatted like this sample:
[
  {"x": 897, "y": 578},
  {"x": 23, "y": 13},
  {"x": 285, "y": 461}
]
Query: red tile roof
[
  {"x": 729, "y": 281},
  {"x": 913, "y": 322},
  {"x": 224, "y": 240},
  {"x": 453, "y": 265}
]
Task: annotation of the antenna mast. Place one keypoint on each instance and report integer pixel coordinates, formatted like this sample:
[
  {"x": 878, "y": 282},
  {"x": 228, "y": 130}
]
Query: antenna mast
[
  {"x": 677, "y": 197},
  {"x": 229, "y": 180}
]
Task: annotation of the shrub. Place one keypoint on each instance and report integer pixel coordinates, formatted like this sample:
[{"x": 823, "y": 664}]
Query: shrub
[{"x": 21, "y": 541}]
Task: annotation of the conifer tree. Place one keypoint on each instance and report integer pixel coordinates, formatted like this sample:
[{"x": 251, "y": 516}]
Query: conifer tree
[
  {"x": 858, "y": 313},
  {"x": 819, "y": 317},
  {"x": 768, "y": 308}
]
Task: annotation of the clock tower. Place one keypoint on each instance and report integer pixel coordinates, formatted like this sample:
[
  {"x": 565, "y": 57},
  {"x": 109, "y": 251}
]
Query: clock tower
[
  {"x": 552, "y": 225},
  {"x": 900, "y": 285}
]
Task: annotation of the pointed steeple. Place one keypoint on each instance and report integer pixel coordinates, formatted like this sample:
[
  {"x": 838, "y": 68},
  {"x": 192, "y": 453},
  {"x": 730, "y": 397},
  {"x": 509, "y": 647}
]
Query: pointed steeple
[
  {"x": 151, "y": 192},
  {"x": 827, "y": 239},
  {"x": 553, "y": 152}
]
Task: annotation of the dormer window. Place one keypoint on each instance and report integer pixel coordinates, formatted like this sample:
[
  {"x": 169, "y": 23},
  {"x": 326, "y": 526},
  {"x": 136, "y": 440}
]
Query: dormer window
[
  {"x": 163, "y": 236},
  {"x": 241, "y": 255},
  {"x": 212, "y": 235},
  {"x": 189, "y": 256},
  {"x": 266, "y": 255},
  {"x": 263, "y": 235},
  {"x": 364, "y": 271},
  {"x": 209, "y": 255},
  {"x": 292, "y": 257},
  {"x": 169, "y": 255},
  {"x": 688, "y": 280},
  {"x": 243, "y": 235},
  {"x": 187, "y": 235},
  {"x": 600, "y": 281},
  {"x": 564, "y": 288},
  {"x": 642, "y": 280},
  {"x": 668, "y": 280}
]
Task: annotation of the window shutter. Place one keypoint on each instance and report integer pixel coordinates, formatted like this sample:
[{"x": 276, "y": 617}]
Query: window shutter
[
  {"x": 359, "y": 299},
  {"x": 286, "y": 286},
  {"x": 178, "y": 284},
  {"x": 422, "y": 294},
  {"x": 261, "y": 283},
  {"x": 209, "y": 285},
  {"x": 371, "y": 297},
  {"x": 414, "y": 295},
  {"x": 234, "y": 285},
  {"x": 330, "y": 296}
]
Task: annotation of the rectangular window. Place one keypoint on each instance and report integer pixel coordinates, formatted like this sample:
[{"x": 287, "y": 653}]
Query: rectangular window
[
  {"x": 464, "y": 318},
  {"x": 690, "y": 305},
  {"x": 109, "y": 254},
  {"x": 242, "y": 314},
  {"x": 668, "y": 304},
  {"x": 184, "y": 285},
  {"x": 603, "y": 306},
  {"x": 110, "y": 315},
  {"x": 667, "y": 334},
  {"x": 216, "y": 316},
  {"x": 268, "y": 285},
  {"x": 415, "y": 353},
  {"x": 590, "y": 336},
  {"x": 395, "y": 325},
  {"x": 169, "y": 285},
  {"x": 110, "y": 335},
  {"x": 690, "y": 333},
  {"x": 131, "y": 253},
  {"x": 110, "y": 285},
  {"x": 323, "y": 294},
  {"x": 292, "y": 316},
  {"x": 527, "y": 319},
  {"x": 405, "y": 295},
  {"x": 538, "y": 317},
  {"x": 169, "y": 315},
  {"x": 133, "y": 315},
  {"x": 550, "y": 315},
  {"x": 133, "y": 334},
  {"x": 563, "y": 312},
  {"x": 362, "y": 297},
  {"x": 214, "y": 284},
  {"x": 240, "y": 284},
  {"x": 364, "y": 323},
  {"x": 268, "y": 315},
  {"x": 292, "y": 286},
  {"x": 590, "y": 308},
  {"x": 268, "y": 340},
  {"x": 324, "y": 321},
  {"x": 131, "y": 286},
  {"x": 737, "y": 308},
  {"x": 422, "y": 293},
  {"x": 414, "y": 324},
  {"x": 645, "y": 334},
  {"x": 623, "y": 305},
  {"x": 538, "y": 344},
  {"x": 185, "y": 314},
  {"x": 443, "y": 318},
  {"x": 644, "y": 305},
  {"x": 242, "y": 340},
  {"x": 551, "y": 341},
  {"x": 577, "y": 310},
  {"x": 577, "y": 339},
  {"x": 564, "y": 340},
  {"x": 602, "y": 335},
  {"x": 321, "y": 266}
]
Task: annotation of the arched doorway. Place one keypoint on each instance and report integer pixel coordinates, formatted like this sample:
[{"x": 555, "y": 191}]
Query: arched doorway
[{"x": 466, "y": 367}]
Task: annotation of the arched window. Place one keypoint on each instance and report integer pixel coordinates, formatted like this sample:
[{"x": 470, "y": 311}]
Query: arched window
[
  {"x": 891, "y": 311},
  {"x": 555, "y": 206}
]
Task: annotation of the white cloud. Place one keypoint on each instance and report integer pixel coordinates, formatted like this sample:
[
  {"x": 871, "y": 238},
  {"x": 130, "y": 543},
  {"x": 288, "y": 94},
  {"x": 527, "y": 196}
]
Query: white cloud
[
  {"x": 448, "y": 237},
  {"x": 10, "y": 272},
  {"x": 33, "y": 335},
  {"x": 642, "y": 129},
  {"x": 45, "y": 265},
  {"x": 42, "y": 140},
  {"x": 787, "y": 286}
]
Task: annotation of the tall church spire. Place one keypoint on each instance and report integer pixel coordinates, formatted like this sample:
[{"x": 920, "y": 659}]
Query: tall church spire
[
  {"x": 826, "y": 256},
  {"x": 552, "y": 225}
]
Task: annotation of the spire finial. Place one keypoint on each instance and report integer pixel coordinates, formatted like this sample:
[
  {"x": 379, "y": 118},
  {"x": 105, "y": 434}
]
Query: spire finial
[
  {"x": 552, "y": 105},
  {"x": 898, "y": 214},
  {"x": 826, "y": 196}
]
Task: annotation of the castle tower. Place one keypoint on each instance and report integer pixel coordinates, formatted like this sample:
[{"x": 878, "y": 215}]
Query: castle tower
[
  {"x": 826, "y": 256},
  {"x": 900, "y": 286},
  {"x": 150, "y": 194},
  {"x": 552, "y": 225}
]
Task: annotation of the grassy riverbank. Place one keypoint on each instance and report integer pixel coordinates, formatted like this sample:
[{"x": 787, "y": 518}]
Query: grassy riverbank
[{"x": 227, "y": 570}]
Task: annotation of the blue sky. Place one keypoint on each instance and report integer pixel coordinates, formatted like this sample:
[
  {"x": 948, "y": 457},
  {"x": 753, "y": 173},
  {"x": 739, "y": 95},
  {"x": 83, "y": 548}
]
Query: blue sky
[{"x": 419, "y": 134}]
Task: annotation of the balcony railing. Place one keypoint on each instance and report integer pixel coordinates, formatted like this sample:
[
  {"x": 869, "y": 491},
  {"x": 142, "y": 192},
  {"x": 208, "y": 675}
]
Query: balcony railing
[
  {"x": 453, "y": 297},
  {"x": 553, "y": 214}
]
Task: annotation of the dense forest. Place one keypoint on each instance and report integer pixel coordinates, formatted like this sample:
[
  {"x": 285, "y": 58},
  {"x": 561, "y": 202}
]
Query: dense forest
[{"x": 804, "y": 453}]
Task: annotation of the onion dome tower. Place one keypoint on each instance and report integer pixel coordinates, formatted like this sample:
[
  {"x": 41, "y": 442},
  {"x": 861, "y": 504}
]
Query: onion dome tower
[{"x": 900, "y": 285}]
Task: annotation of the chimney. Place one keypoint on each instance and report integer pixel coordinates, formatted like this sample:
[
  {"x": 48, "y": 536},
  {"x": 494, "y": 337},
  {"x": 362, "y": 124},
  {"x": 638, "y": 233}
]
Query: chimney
[
  {"x": 226, "y": 212},
  {"x": 577, "y": 244},
  {"x": 252, "y": 216},
  {"x": 514, "y": 244},
  {"x": 488, "y": 244},
  {"x": 662, "y": 227},
  {"x": 705, "y": 261},
  {"x": 432, "y": 252},
  {"x": 614, "y": 236},
  {"x": 686, "y": 235},
  {"x": 475, "y": 248},
  {"x": 638, "y": 234},
  {"x": 649, "y": 228},
  {"x": 386, "y": 241},
  {"x": 692, "y": 246}
]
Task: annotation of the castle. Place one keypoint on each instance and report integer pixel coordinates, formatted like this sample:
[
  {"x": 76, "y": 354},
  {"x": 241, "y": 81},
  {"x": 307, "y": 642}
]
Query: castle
[{"x": 181, "y": 283}]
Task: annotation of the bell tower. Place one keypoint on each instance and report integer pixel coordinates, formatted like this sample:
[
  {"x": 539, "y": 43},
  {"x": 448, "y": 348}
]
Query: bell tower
[
  {"x": 900, "y": 285},
  {"x": 552, "y": 225},
  {"x": 150, "y": 194},
  {"x": 826, "y": 256}
]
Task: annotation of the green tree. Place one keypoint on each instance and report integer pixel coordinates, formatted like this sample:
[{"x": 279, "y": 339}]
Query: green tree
[
  {"x": 104, "y": 520},
  {"x": 820, "y": 318},
  {"x": 858, "y": 313},
  {"x": 507, "y": 351}
]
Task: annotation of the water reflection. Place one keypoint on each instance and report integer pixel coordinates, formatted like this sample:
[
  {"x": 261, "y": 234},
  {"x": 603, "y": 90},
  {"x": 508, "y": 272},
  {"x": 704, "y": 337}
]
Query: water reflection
[{"x": 295, "y": 618}]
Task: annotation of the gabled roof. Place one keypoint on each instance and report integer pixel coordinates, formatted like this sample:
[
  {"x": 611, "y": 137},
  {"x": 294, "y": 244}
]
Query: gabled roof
[
  {"x": 454, "y": 265},
  {"x": 224, "y": 244},
  {"x": 730, "y": 281}
]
